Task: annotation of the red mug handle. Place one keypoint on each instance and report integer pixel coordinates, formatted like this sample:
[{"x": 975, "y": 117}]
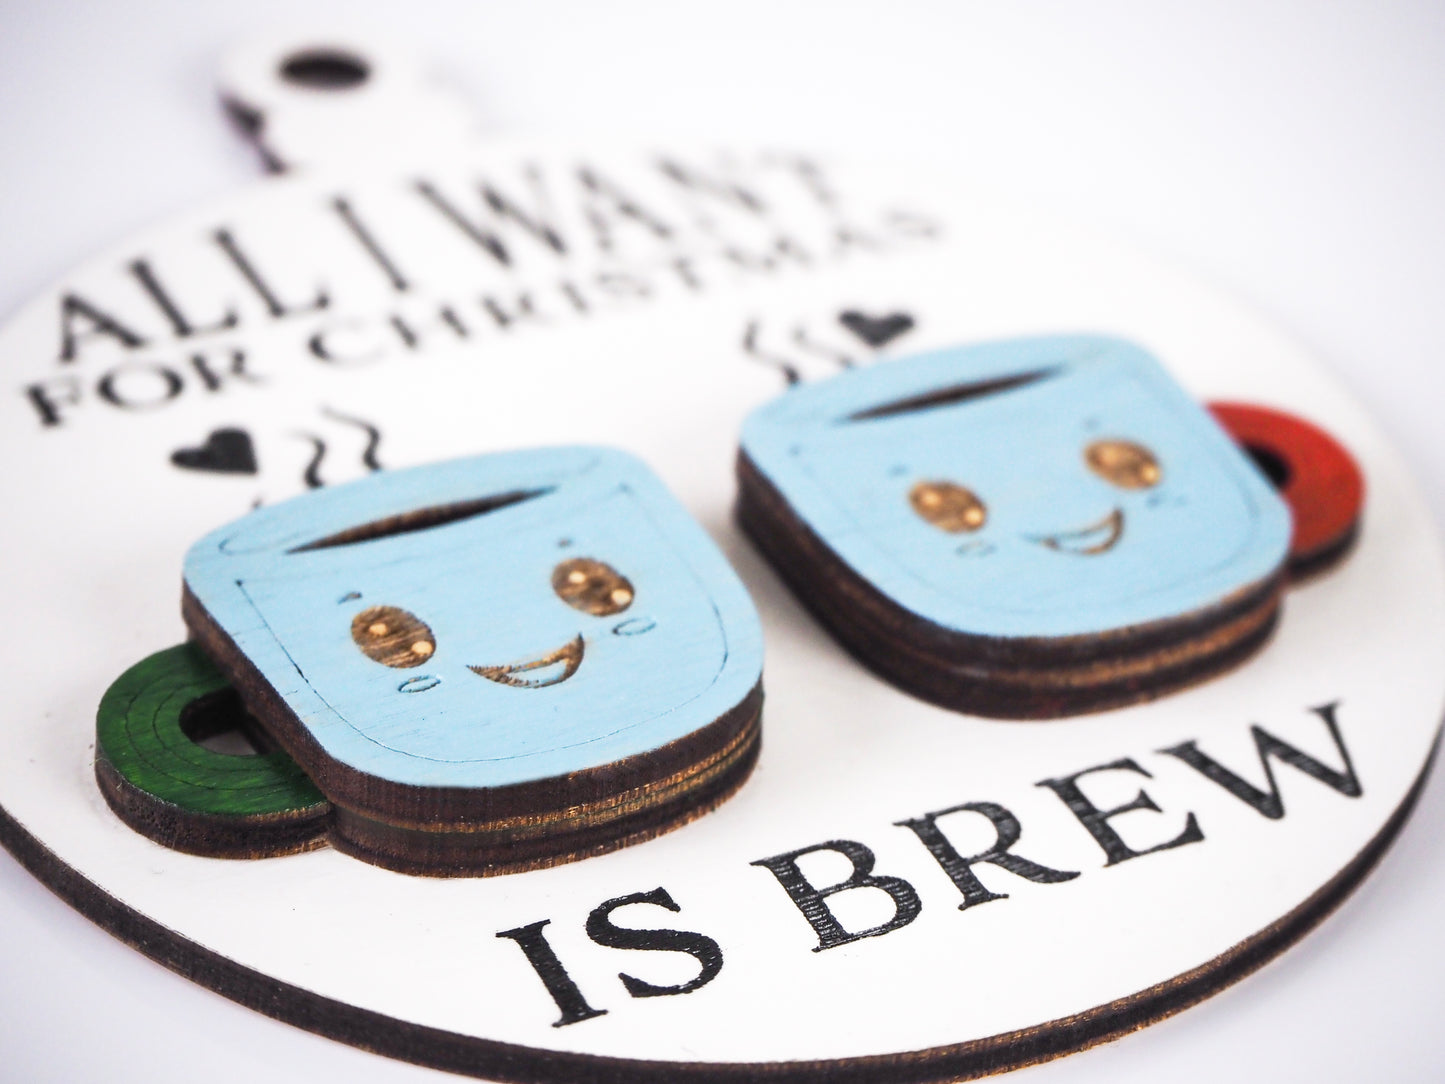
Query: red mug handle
[{"x": 1313, "y": 472}]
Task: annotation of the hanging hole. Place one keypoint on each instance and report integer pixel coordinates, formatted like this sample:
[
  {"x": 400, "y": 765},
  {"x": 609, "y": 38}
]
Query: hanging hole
[
  {"x": 325, "y": 69},
  {"x": 1275, "y": 467},
  {"x": 219, "y": 722}
]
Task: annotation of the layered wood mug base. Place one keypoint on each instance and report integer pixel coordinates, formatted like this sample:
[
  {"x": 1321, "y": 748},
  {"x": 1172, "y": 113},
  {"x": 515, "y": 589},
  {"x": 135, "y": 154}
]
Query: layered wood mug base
[{"x": 1018, "y": 679}]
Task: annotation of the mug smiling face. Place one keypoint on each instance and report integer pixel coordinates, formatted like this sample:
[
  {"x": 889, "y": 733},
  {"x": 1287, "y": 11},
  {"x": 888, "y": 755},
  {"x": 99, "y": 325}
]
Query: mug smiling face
[
  {"x": 397, "y": 638},
  {"x": 1057, "y": 499},
  {"x": 484, "y": 648}
]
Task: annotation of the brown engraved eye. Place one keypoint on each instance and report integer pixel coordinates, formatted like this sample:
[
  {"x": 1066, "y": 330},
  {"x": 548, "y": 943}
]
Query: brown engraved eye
[
  {"x": 948, "y": 507},
  {"x": 393, "y": 637},
  {"x": 1123, "y": 463},
  {"x": 592, "y": 586}
]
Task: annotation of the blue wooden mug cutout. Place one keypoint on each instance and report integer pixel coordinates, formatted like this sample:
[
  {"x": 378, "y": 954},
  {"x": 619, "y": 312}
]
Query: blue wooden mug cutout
[
  {"x": 1025, "y": 528},
  {"x": 490, "y": 663}
]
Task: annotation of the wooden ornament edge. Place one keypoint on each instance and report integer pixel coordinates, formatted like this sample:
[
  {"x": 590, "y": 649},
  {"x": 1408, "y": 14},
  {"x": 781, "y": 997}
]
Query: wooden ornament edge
[{"x": 516, "y": 1064}]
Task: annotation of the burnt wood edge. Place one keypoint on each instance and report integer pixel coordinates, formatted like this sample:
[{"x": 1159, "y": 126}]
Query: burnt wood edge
[
  {"x": 422, "y": 808},
  {"x": 1306, "y": 566},
  {"x": 257, "y": 835},
  {"x": 1039, "y": 692},
  {"x": 515, "y": 1064},
  {"x": 471, "y": 854},
  {"x": 992, "y": 676},
  {"x": 1012, "y": 696}
]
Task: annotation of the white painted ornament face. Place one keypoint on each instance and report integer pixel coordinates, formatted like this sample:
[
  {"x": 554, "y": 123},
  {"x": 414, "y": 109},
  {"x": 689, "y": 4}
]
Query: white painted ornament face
[{"x": 396, "y": 300}]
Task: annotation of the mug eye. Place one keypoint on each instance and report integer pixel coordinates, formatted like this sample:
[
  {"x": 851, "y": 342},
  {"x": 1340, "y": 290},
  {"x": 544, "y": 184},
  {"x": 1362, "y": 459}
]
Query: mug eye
[
  {"x": 592, "y": 586},
  {"x": 948, "y": 506},
  {"x": 1123, "y": 463},
  {"x": 393, "y": 637}
]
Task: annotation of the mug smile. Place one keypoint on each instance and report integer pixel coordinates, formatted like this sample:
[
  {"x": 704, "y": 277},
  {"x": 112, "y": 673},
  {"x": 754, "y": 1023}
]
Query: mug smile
[
  {"x": 1095, "y": 538},
  {"x": 552, "y": 668}
]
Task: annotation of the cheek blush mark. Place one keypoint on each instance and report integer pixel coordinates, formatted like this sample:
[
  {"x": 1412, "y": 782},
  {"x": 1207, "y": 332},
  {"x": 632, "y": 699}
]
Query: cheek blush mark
[{"x": 634, "y": 626}]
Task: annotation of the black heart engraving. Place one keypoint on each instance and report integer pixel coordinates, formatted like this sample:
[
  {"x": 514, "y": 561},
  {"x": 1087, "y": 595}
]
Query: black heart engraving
[
  {"x": 876, "y": 331},
  {"x": 226, "y": 451}
]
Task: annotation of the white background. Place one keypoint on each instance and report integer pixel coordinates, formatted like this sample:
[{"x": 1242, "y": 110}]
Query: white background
[{"x": 1289, "y": 153}]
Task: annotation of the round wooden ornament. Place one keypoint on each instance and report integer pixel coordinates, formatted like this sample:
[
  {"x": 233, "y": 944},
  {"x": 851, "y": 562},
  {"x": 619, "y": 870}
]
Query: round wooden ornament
[{"x": 405, "y": 295}]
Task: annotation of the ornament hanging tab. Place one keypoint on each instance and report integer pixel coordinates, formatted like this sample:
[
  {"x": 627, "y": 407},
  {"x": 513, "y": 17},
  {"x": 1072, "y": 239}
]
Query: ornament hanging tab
[{"x": 327, "y": 99}]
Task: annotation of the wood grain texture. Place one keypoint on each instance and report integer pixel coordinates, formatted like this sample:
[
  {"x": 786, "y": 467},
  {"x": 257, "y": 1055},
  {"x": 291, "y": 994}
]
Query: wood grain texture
[
  {"x": 457, "y": 658},
  {"x": 1026, "y": 529},
  {"x": 639, "y": 804}
]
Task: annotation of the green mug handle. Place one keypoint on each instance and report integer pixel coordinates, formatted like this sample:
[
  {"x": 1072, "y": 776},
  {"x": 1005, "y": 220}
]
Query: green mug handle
[{"x": 162, "y": 782}]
